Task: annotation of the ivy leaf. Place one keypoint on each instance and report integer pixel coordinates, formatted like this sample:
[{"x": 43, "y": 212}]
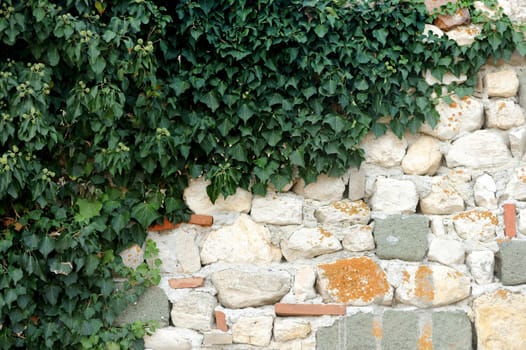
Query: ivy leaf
[
  {"x": 51, "y": 293},
  {"x": 16, "y": 275},
  {"x": 46, "y": 245},
  {"x": 381, "y": 35},
  {"x": 211, "y": 100},
  {"x": 88, "y": 208},
  {"x": 336, "y": 122},
  {"x": 321, "y": 30},
  {"x": 145, "y": 213}
]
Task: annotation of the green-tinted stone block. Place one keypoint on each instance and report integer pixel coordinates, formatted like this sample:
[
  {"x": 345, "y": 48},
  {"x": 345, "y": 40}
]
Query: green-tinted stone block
[
  {"x": 328, "y": 338},
  {"x": 400, "y": 330},
  {"x": 451, "y": 331},
  {"x": 510, "y": 264},
  {"x": 153, "y": 305},
  {"x": 401, "y": 237},
  {"x": 359, "y": 332}
]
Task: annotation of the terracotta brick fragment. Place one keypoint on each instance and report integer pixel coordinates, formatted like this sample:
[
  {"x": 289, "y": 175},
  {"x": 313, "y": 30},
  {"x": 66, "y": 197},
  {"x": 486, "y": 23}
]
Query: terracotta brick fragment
[
  {"x": 510, "y": 225},
  {"x": 201, "y": 220},
  {"x": 190, "y": 282},
  {"x": 309, "y": 309},
  {"x": 166, "y": 225},
  {"x": 221, "y": 321}
]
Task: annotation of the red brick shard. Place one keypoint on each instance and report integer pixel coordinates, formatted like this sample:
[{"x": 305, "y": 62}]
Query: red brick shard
[
  {"x": 309, "y": 309},
  {"x": 190, "y": 282},
  {"x": 221, "y": 321}
]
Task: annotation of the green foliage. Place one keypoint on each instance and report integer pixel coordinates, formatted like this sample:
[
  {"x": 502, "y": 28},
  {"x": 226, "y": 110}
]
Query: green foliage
[{"x": 107, "y": 108}]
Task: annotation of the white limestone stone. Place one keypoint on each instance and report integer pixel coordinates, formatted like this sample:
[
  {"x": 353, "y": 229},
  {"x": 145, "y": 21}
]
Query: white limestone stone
[
  {"x": 502, "y": 83},
  {"x": 278, "y": 209},
  {"x": 480, "y": 149},
  {"x": 446, "y": 251},
  {"x": 216, "y": 337},
  {"x": 432, "y": 285},
  {"x": 325, "y": 188},
  {"x": 166, "y": 243},
  {"x": 197, "y": 199},
  {"x": 253, "y": 330},
  {"x": 477, "y": 225},
  {"x": 516, "y": 187},
  {"x": 359, "y": 238},
  {"x": 286, "y": 329},
  {"x": 194, "y": 310},
  {"x": 464, "y": 35},
  {"x": 442, "y": 200},
  {"x": 462, "y": 115},
  {"x": 484, "y": 192},
  {"x": 521, "y": 225},
  {"x": 133, "y": 256},
  {"x": 517, "y": 139},
  {"x": 504, "y": 114},
  {"x": 356, "y": 212},
  {"x": 356, "y": 183},
  {"x": 393, "y": 196},
  {"x": 481, "y": 265},
  {"x": 253, "y": 286},
  {"x": 431, "y": 29},
  {"x": 245, "y": 242},
  {"x": 306, "y": 243},
  {"x": 186, "y": 250},
  {"x": 172, "y": 338},
  {"x": 437, "y": 227},
  {"x": 387, "y": 150},
  {"x": 304, "y": 280},
  {"x": 423, "y": 157}
]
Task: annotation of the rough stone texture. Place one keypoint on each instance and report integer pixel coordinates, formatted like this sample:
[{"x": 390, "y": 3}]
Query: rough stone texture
[
  {"x": 478, "y": 225},
  {"x": 393, "y": 196},
  {"x": 356, "y": 212},
  {"x": 350, "y": 333},
  {"x": 359, "y": 238},
  {"x": 451, "y": 331},
  {"x": 503, "y": 83},
  {"x": 511, "y": 262},
  {"x": 517, "y": 139},
  {"x": 133, "y": 256},
  {"x": 355, "y": 281},
  {"x": 304, "y": 283},
  {"x": 481, "y": 265},
  {"x": 516, "y": 187},
  {"x": 522, "y": 221},
  {"x": 286, "y": 329},
  {"x": 432, "y": 285},
  {"x": 400, "y": 330},
  {"x": 448, "y": 22},
  {"x": 500, "y": 321},
  {"x": 308, "y": 242},
  {"x": 166, "y": 243},
  {"x": 465, "y": 35},
  {"x": 278, "y": 209},
  {"x": 446, "y": 251},
  {"x": 423, "y": 157},
  {"x": 253, "y": 330},
  {"x": 244, "y": 241},
  {"x": 387, "y": 150},
  {"x": 187, "y": 251},
  {"x": 484, "y": 192},
  {"x": 481, "y": 149},
  {"x": 152, "y": 305},
  {"x": 356, "y": 184},
  {"x": 171, "y": 338},
  {"x": 522, "y": 92},
  {"x": 504, "y": 114},
  {"x": 194, "y": 311},
  {"x": 217, "y": 338},
  {"x": 401, "y": 237},
  {"x": 326, "y": 188},
  {"x": 462, "y": 115},
  {"x": 197, "y": 199},
  {"x": 442, "y": 200},
  {"x": 258, "y": 286}
]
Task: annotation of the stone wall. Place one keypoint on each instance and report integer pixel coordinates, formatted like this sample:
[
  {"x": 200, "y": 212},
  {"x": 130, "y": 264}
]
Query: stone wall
[{"x": 411, "y": 251}]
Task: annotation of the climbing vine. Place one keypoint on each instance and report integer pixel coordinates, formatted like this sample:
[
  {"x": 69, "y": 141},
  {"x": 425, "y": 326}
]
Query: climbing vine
[{"x": 107, "y": 108}]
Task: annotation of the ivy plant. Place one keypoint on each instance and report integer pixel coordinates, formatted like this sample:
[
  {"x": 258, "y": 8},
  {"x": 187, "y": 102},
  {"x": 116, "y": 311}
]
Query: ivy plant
[{"x": 108, "y": 108}]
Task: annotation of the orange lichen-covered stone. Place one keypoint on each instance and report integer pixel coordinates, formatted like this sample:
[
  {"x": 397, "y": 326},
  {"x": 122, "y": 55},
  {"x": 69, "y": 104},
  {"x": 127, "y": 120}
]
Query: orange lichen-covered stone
[
  {"x": 424, "y": 342},
  {"x": 354, "y": 281}
]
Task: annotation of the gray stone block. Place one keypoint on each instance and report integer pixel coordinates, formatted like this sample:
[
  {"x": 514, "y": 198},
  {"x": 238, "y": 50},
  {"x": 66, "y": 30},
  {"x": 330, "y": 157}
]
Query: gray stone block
[
  {"x": 400, "y": 330},
  {"x": 401, "y": 237},
  {"x": 328, "y": 338},
  {"x": 152, "y": 305},
  {"x": 510, "y": 264},
  {"x": 353, "y": 332},
  {"x": 451, "y": 331}
]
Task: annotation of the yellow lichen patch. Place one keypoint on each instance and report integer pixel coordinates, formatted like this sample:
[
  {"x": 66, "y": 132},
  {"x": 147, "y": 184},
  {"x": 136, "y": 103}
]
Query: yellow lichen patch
[
  {"x": 424, "y": 284},
  {"x": 424, "y": 342},
  {"x": 351, "y": 208},
  {"x": 502, "y": 293},
  {"x": 521, "y": 174},
  {"x": 356, "y": 279},
  {"x": 325, "y": 233},
  {"x": 477, "y": 215},
  {"x": 377, "y": 329}
]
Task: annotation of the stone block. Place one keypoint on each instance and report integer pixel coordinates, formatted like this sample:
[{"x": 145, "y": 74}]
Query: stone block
[
  {"x": 278, "y": 209},
  {"x": 217, "y": 338},
  {"x": 511, "y": 262},
  {"x": 448, "y": 22},
  {"x": 306, "y": 243},
  {"x": 517, "y": 139},
  {"x": 386, "y": 150},
  {"x": 481, "y": 265},
  {"x": 502, "y": 83},
  {"x": 401, "y": 237},
  {"x": 394, "y": 196},
  {"x": 304, "y": 280},
  {"x": 286, "y": 329},
  {"x": 465, "y": 35},
  {"x": 446, "y": 251},
  {"x": 516, "y": 187},
  {"x": 325, "y": 188},
  {"x": 253, "y": 330},
  {"x": 353, "y": 332},
  {"x": 484, "y": 192},
  {"x": 451, "y": 331},
  {"x": 194, "y": 311},
  {"x": 357, "y": 183},
  {"x": 187, "y": 251},
  {"x": 504, "y": 114},
  {"x": 478, "y": 225},
  {"x": 400, "y": 330},
  {"x": 359, "y": 238},
  {"x": 152, "y": 305},
  {"x": 522, "y": 91},
  {"x": 423, "y": 157},
  {"x": 443, "y": 199},
  {"x": 345, "y": 211},
  {"x": 172, "y": 338}
]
